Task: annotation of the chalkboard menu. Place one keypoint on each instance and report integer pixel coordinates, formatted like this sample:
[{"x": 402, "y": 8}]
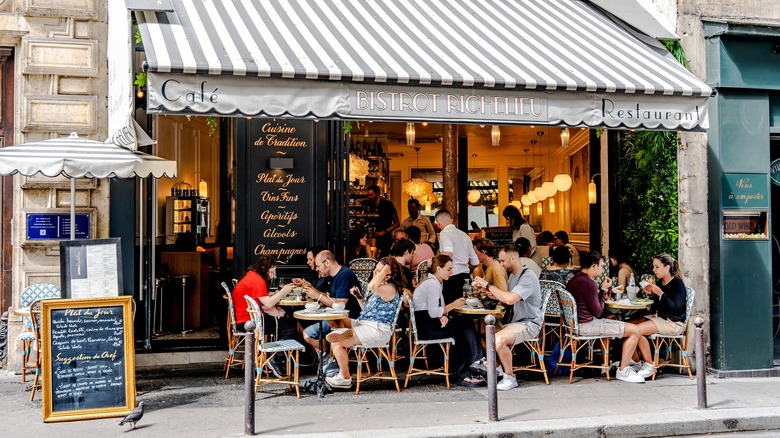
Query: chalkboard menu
[
  {"x": 88, "y": 359},
  {"x": 499, "y": 235},
  {"x": 281, "y": 189}
]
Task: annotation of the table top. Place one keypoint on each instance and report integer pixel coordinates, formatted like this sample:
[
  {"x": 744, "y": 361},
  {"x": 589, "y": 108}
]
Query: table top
[
  {"x": 626, "y": 305},
  {"x": 320, "y": 315},
  {"x": 468, "y": 310},
  {"x": 22, "y": 312},
  {"x": 292, "y": 303}
]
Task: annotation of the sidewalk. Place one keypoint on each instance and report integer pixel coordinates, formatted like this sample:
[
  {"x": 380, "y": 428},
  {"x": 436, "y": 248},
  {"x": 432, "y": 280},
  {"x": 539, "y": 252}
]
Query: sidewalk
[{"x": 199, "y": 402}]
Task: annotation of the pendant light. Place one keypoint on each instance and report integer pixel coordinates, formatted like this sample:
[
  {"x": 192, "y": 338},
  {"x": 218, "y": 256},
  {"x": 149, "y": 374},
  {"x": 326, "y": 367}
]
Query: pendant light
[
  {"x": 562, "y": 180},
  {"x": 474, "y": 194},
  {"x": 525, "y": 200},
  {"x": 547, "y": 186},
  {"x": 410, "y": 134},
  {"x": 539, "y": 194},
  {"x": 564, "y": 137},
  {"x": 495, "y": 135}
]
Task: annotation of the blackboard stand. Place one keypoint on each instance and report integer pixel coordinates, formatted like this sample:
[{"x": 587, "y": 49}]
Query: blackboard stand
[{"x": 88, "y": 358}]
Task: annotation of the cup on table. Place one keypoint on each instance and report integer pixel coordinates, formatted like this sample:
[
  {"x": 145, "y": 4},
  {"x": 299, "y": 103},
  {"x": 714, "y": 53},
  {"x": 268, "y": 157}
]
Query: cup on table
[
  {"x": 472, "y": 302},
  {"x": 617, "y": 293},
  {"x": 338, "y": 305},
  {"x": 312, "y": 306},
  {"x": 298, "y": 293},
  {"x": 631, "y": 291}
]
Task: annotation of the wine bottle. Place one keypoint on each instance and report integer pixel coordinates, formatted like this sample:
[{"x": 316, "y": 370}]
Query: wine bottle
[{"x": 377, "y": 147}]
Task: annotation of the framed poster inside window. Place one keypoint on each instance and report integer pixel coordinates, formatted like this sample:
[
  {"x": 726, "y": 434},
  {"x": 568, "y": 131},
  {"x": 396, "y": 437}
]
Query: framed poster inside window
[{"x": 91, "y": 268}]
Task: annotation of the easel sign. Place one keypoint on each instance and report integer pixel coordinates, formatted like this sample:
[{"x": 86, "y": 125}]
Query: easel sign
[
  {"x": 91, "y": 268},
  {"x": 88, "y": 358}
]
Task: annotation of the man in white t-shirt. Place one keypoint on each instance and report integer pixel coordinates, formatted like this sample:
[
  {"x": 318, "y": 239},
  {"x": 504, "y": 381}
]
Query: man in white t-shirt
[{"x": 456, "y": 244}]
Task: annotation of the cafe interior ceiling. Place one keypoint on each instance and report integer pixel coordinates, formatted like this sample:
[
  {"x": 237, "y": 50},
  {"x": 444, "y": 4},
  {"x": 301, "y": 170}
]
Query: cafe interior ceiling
[{"x": 514, "y": 140}]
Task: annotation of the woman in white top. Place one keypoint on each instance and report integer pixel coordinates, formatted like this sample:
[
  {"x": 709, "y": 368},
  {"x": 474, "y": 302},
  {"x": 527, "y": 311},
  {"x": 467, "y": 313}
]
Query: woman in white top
[{"x": 433, "y": 322}]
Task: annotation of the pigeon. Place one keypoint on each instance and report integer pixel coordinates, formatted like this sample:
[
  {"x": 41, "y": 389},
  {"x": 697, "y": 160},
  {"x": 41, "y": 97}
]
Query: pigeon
[{"x": 134, "y": 416}]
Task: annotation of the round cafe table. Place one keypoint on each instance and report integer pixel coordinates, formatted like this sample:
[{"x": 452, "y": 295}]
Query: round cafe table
[
  {"x": 468, "y": 310},
  {"x": 625, "y": 308},
  {"x": 292, "y": 303},
  {"x": 319, "y": 315}
]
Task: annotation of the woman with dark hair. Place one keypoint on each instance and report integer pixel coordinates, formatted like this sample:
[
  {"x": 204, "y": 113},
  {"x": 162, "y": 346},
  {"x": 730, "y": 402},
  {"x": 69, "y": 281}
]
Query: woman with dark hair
[
  {"x": 433, "y": 322},
  {"x": 558, "y": 271},
  {"x": 374, "y": 326},
  {"x": 621, "y": 269},
  {"x": 521, "y": 228},
  {"x": 668, "y": 310},
  {"x": 544, "y": 242},
  {"x": 358, "y": 241},
  {"x": 561, "y": 238},
  {"x": 255, "y": 284}
]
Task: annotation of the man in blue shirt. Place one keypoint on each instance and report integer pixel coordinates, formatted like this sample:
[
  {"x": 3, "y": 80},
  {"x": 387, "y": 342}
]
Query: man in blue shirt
[{"x": 343, "y": 281}]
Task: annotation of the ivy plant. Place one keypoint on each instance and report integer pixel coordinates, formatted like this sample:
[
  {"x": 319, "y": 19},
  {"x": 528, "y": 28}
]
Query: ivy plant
[
  {"x": 648, "y": 190},
  {"x": 213, "y": 124},
  {"x": 648, "y": 196}
]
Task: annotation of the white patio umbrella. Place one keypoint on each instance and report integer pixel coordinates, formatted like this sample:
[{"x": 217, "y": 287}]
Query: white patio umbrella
[{"x": 75, "y": 157}]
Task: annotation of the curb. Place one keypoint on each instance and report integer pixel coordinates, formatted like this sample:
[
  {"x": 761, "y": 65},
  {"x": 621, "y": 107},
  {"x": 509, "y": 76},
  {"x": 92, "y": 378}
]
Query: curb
[{"x": 692, "y": 422}]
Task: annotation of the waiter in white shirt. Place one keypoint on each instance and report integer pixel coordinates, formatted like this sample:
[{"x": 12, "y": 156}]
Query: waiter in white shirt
[{"x": 456, "y": 244}]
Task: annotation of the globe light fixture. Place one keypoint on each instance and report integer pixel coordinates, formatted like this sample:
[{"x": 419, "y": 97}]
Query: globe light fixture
[
  {"x": 531, "y": 197},
  {"x": 562, "y": 182},
  {"x": 473, "y": 196},
  {"x": 525, "y": 200}
]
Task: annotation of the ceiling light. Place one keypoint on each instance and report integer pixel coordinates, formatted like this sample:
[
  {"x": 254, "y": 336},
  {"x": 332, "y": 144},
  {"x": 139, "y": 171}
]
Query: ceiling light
[
  {"x": 410, "y": 134},
  {"x": 495, "y": 135},
  {"x": 564, "y": 137}
]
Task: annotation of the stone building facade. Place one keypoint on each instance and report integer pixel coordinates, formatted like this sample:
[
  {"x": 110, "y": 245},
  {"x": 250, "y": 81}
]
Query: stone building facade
[
  {"x": 59, "y": 85},
  {"x": 55, "y": 55}
]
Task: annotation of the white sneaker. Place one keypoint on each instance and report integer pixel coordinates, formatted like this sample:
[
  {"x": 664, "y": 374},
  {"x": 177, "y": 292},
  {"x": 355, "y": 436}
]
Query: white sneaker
[
  {"x": 628, "y": 374},
  {"x": 507, "y": 383},
  {"x": 635, "y": 365},
  {"x": 646, "y": 371},
  {"x": 338, "y": 381}
]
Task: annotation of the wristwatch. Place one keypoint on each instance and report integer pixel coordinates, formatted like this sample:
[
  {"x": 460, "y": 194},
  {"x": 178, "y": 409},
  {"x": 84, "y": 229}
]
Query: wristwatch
[{"x": 487, "y": 285}]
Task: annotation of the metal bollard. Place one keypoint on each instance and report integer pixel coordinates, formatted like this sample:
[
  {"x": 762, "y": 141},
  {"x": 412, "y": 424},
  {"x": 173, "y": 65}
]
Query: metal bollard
[
  {"x": 490, "y": 345},
  {"x": 249, "y": 378},
  {"x": 701, "y": 371}
]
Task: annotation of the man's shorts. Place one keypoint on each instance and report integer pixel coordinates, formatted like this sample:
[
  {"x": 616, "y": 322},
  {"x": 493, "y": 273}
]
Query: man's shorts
[
  {"x": 603, "y": 327},
  {"x": 521, "y": 331},
  {"x": 313, "y": 331}
]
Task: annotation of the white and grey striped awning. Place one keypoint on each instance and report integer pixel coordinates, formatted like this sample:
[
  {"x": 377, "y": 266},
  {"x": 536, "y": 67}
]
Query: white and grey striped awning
[{"x": 497, "y": 61}]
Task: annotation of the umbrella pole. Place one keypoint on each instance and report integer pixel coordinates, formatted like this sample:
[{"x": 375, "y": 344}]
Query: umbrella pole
[{"x": 73, "y": 209}]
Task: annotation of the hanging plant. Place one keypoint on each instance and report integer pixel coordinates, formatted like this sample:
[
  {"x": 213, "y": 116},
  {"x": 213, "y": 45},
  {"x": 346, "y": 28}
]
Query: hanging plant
[{"x": 213, "y": 124}]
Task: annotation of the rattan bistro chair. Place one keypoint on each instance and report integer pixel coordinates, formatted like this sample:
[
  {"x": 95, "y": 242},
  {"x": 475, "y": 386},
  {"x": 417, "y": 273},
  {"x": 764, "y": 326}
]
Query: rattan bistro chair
[
  {"x": 573, "y": 340},
  {"x": 679, "y": 341},
  {"x": 536, "y": 346},
  {"x": 387, "y": 352},
  {"x": 363, "y": 268},
  {"x": 417, "y": 351},
  {"x": 422, "y": 270},
  {"x": 30, "y": 294},
  {"x": 265, "y": 352},
  {"x": 553, "y": 315},
  {"x": 235, "y": 355},
  {"x": 36, "y": 318}
]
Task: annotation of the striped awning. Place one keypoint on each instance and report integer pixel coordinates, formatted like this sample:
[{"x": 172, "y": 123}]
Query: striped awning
[{"x": 494, "y": 61}]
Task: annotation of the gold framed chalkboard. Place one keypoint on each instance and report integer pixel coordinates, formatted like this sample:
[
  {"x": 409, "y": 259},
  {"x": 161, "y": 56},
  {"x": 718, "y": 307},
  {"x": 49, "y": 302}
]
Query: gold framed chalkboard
[{"x": 88, "y": 358}]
